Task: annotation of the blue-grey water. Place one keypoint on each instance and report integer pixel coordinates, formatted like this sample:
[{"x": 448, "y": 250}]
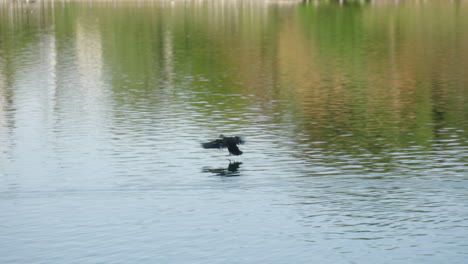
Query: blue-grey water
[{"x": 354, "y": 115}]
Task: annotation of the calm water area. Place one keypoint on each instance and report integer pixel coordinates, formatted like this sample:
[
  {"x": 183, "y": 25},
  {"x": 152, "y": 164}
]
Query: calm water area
[{"x": 354, "y": 114}]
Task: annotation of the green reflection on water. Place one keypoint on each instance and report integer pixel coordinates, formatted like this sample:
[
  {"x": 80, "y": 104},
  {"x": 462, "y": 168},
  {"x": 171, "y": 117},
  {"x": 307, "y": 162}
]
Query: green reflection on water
[
  {"x": 397, "y": 73},
  {"x": 359, "y": 76}
]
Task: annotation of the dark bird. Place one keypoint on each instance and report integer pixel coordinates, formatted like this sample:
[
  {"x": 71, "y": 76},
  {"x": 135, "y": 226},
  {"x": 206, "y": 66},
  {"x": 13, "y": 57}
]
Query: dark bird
[
  {"x": 231, "y": 170},
  {"x": 226, "y": 142}
]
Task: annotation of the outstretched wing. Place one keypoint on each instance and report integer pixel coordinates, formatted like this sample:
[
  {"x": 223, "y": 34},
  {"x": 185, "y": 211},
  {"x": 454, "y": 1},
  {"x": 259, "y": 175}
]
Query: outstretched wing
[
  {"x": 214, "y": 144},
  {"x": 226, "y": 142}
]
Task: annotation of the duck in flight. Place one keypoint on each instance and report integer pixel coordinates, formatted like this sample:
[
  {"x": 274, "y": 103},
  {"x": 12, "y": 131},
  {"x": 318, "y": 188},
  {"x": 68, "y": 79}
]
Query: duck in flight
[{"x": 226, "y": 142}]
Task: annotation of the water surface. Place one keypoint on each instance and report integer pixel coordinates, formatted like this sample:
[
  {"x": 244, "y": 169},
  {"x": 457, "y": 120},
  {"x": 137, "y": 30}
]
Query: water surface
[{"x": 354, "y": 114}]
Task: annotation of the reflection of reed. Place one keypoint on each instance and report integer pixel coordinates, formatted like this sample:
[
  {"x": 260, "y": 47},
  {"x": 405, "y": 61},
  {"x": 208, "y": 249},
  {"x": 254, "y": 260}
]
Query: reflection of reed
[{"x": 6, "y": 122}]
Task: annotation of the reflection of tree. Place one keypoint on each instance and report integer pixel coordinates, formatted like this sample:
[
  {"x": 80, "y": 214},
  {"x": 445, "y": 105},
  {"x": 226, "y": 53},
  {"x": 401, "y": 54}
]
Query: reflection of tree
[
  {"x": 19, "y": 23},
  {"x": 383, "y": 87},
  {"x": 358, "y": 76}
]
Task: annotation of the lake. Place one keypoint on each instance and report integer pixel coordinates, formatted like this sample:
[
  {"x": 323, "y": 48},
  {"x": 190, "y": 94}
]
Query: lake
[{"x": 354, "y": 114}]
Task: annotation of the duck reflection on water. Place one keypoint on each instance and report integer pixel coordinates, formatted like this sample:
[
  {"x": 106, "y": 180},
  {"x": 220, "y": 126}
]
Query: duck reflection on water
[{"x": 231, "y": 170}]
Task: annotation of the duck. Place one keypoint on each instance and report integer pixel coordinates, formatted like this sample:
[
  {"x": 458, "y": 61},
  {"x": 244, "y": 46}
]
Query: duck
[{"x": 226, "y": 142}]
